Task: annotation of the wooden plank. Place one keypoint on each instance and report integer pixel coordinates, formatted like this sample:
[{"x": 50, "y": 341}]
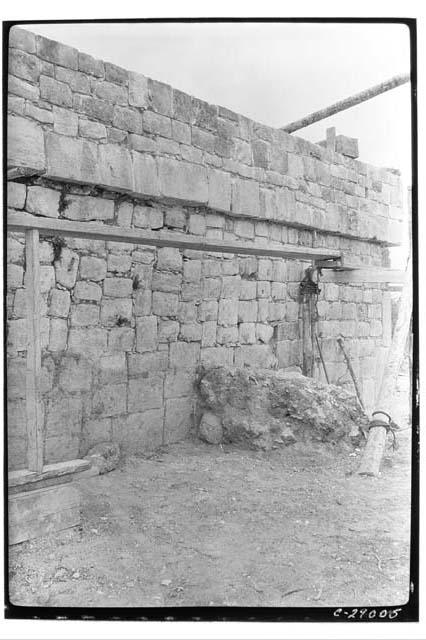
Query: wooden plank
[
  {"x": 37, "y": 513},
  {"x": 57, "y": 470},
  {"x": 95, "y": 231},
  {"x": 358, "y": 275},
  {"x": 33, "y": 365}
]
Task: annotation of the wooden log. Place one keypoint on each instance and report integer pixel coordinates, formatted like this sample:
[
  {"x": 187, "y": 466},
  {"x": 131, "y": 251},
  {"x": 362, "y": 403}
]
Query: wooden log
[
  {"x": 347, "y": 103},
  {"x": 376, "y": 441},
  {"x": 56, "y": 470},
  {"x": 95, "y": 231},
  {"x": 351, "y": 371},
  {"x": 33, "y": 365},
  {"x": 37, "y": 513}
]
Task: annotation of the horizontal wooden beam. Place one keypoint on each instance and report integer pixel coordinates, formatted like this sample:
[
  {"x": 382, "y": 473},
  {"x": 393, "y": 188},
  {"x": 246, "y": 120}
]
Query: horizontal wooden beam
[
  {"x": 57, "y": 470},
  {"x": 95, "y": 231},
  {"x": 358, "y": 275}
]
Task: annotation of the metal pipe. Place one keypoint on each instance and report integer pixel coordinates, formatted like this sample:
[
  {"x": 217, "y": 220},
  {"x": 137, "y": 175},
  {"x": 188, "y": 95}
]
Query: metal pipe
[{"x": 347, "y": 103}]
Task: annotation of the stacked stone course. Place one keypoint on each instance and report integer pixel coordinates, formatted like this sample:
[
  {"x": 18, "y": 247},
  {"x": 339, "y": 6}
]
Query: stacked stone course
[{"x": 124, "y": 327}]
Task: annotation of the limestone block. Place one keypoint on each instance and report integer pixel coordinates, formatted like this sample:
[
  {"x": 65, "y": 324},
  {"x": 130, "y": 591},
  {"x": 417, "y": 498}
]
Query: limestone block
[
  {"x": 219, "y": 197},
  {"x": 217, "y": 356},
  {"x": 331, "y": 291},
  {"x": 55, "y": 92},
  {"x": 228, "y": 312},
  {"x": 94, "y": 108},
  {"x": 110, "y": 400},
  {"x": 139, "y": 432},
  {"x": 169, "y": 259},
  {"x": 25, "y": 91},
  {"x": 57, "y": 52},
  {"x": 192, "y": 271},
  {"x": 118, "y": 287},
  {"x": 17, "y": 335},
  {"x": 83, "y": 315},
  {"x": 255, "y": 356},
  {"x": 203, "y": 140},
  {"x": 87, "y": 291},
  {"x": 164, "y": 304},
  {"x": 138, "y": 90},
  {"x": 24, "y": 65},
  {"x": 197, "y": 224},
  {"x": 65, "y": 121},
  {"x": 113, "y": 369},
  {"x": 247, "y": 332},
  {"x": 127, "y": 119},
  {"x": 265, "y": 269},
  {"x": 247, "y": 311},
  {"x": 43, "y": 202},
  {"x": 211, "y": 268},
  {"x": 91, "y": 129},
  {"x": 208, "y": 337},
  {"x": 156, "y": 124},
  {"x": 276, "y": 311},
  {"x": 183, "y": 181},
  {"x": 59, "y": 303},
  {"x": 211, "y": 287},
  {"x": 184, "y": 354},
  {"x": 93, "y": 268},
  {"x": 142, "y": 364},
  {"x": 25, "y": 145},
  {"x": 58, "y": 335},
  {"x": 73, "y": 160},
  {"x": 245, "y": 197},
  {"x": 90, "y": 65},
  {"x": 145, "y": 174},
  {"x": 248, "y": 289},
  {"x": 145, "y": 393},
  {"x": 263, "y": 289},
  {"x": 228, "y": 336},
  {"x": 208, "y": 310},
  {"x": 166, "y": 281},
  {"x": 178, "y": 384},
  {"x": 120, "y": 263},
  {"x": 146, "y": 334},
  {"x": 231, "y": 286},
  {"x": 160, "y": 97},
  {"x": 182, "y": 106},
  {"x": 261, "y": 153},
  {"x": 264, "y": 332},
  {"x": 75, "y": 374},
  {"x": 115, "y": 167},
  {"x": 244, "y": 228},
  {"x": 121, "y": 339},
  {"x": 66, "y": 268},
  {"x": 22, "y": 39},
  {"x": 16, "y": 194},
  {"x": 181, "y": 132},
  {"x": 15, "y": 275},
  {"x": 168, "y": 330},
  {"x": 190, "y": 332},
  {"x": 116, "y": 310},
  {"x": 178, "y": 419},
  {"x": 278, "y": 291},
  {"x": 142, "y": 302}
]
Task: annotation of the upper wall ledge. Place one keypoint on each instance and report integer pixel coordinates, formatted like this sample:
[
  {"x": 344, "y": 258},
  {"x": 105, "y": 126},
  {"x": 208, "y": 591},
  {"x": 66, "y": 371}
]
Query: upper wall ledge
[{"x": 75, "y": 118}]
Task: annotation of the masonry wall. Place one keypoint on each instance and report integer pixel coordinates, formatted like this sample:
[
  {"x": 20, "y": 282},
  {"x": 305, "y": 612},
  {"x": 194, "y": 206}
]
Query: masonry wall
[{"x": 125, "y": 327}]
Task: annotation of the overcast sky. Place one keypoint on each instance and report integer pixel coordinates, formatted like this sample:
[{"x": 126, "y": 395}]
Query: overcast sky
[{"x": 274, "y": 73}]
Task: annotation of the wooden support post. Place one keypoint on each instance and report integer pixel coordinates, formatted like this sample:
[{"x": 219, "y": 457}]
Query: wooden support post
[
  {"x": 33, "y": 370},
  {"x": 351, "y": 371},
  {"x": 374, "y": 449}
]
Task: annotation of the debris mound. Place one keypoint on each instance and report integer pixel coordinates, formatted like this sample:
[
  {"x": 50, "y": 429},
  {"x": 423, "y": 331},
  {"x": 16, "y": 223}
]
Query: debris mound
[
  {"x": 265, "y": 409},
  {"x": 105, "y": 456}
]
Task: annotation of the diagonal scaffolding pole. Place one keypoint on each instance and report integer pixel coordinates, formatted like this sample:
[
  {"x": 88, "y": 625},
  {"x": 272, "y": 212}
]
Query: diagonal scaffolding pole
[{"x": 347, "y": 103}]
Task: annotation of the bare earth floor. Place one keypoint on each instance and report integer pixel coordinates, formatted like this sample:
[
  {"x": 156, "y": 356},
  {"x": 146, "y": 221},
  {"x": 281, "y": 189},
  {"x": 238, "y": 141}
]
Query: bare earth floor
[{"x": 199, "y": 525}]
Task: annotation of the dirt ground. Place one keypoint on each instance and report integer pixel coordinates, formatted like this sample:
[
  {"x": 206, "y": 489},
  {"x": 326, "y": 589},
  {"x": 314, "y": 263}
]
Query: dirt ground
[{"x": 200, "y": 525}]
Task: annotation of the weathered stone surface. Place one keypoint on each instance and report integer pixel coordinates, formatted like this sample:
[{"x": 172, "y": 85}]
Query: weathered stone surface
[
  {"x": 90, "y": 129},
  {"x": 210, "y": 428},
  {"x": 55, "y": 92},
  {"x": 77, "y": 81},
  {"x": 245, "y": 197},
  {"x": 146, "y": 334},
  {"x": 116, "y": 311},
  {"x": 93, "y": 268},
  {"x": 58, "y": 335},
  {"x": 22, "y": 39},
  {"x": 115, "y": 167},
  {"x": 169, "y": 259},
  {"x": 23, "y": 89},
  {"x": 121, "y": 339},
  {"x": 43, "y": 202},
  {"x": 66, "y": 268},
  {"x": 183, "y": 181},
  {"x": 105, "y": 456},
  {"x": 25, "y": 145},
  {"x": 164, "y": 304},
  {"x": 118, "y": 287},
  {"x": 145, "y": 174},
  {"x": 110, "y": 400},
  {"x": 65, "y": 121},
  {"x": 90, "y": 65},
  {"x": 262, "y": 409},
  {"x": 145, "y": 393},
  {"x": 141, "y": 364},
  {"x": 24, "y": 65},
  {"x": 138, "y": 90},
  {"x": 219, "y": 190},
  {"x": 57, "y": 52},
  {"x": 85, "y": 208},
  {"x": 16, "y": 194},
  {"x": 59, "y": 303},
  {"x": 84, "y": 315},
  {"x": 139, "y": 432},
  {"x": 74, "y": 160}
]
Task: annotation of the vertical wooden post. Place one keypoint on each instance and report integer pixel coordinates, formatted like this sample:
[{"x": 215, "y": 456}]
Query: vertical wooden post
[{"x": 33, "y": 370}]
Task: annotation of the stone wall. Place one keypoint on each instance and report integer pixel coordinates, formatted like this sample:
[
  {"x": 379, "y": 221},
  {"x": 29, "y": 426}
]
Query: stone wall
[{"x": 124, "y": 327}]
